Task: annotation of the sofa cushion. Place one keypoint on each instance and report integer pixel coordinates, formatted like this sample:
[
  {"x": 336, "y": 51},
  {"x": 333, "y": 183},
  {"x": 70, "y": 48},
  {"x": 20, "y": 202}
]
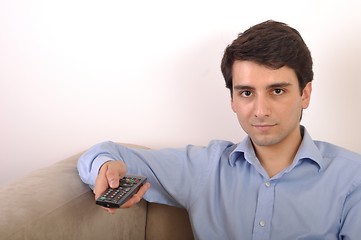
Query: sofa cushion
[{"x": 166, "y": 222}]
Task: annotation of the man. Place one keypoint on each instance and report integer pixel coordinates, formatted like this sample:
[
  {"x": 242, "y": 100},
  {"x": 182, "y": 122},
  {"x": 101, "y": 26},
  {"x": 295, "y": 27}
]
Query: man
[{"x": 277, "y": 183}]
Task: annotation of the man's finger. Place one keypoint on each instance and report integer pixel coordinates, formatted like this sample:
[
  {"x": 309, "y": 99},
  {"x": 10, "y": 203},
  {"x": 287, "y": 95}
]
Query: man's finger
[
  {"x": 143, "y": 189},
  {"x": 136, "y": 198}
]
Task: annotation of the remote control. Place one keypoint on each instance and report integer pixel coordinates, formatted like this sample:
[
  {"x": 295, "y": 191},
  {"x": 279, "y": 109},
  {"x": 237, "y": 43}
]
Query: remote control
[{"x": 116, "y": 197}]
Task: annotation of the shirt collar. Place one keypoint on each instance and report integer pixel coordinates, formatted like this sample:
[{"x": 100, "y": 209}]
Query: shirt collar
[{"x": 307, "y": 150}]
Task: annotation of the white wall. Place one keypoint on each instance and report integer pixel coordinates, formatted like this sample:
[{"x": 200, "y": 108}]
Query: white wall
[{"x": 74, "y": 73}]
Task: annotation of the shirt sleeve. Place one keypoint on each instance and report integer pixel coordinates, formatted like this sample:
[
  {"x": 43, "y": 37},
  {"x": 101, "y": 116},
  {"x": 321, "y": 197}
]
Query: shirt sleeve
[
  {"x": 176, "y": 175},
  {"x": 350, "y": 222}
]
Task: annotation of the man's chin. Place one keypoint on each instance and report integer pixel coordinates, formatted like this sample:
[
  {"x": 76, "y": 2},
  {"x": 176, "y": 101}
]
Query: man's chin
[{"x": 264, "y": 141}]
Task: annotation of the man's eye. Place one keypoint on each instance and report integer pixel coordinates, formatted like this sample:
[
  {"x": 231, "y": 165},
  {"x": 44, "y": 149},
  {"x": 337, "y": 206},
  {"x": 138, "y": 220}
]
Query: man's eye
[
  {"x": 278, "y": 91},
  {"x": 246, "y": 93}
]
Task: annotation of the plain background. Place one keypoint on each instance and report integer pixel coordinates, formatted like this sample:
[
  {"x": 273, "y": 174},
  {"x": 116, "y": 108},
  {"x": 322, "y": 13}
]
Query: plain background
[{"x": 74, "y": 73}]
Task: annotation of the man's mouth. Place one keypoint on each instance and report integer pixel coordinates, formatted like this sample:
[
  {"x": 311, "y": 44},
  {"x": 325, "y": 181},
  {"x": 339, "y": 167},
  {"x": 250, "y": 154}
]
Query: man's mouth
[{"x": 263, "y": 126}]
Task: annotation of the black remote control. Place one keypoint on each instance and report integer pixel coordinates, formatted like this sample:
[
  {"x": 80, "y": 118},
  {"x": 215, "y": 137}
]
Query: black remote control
[{"x": 116, "y": 197}]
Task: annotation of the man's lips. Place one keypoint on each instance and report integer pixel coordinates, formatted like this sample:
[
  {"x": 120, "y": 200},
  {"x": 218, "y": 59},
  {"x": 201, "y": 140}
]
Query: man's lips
[{"x": 263, "y": 127}]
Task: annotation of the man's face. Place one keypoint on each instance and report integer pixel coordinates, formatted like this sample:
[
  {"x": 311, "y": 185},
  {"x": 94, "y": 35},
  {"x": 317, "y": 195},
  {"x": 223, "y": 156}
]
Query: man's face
[{"x": 268, "y": 103}]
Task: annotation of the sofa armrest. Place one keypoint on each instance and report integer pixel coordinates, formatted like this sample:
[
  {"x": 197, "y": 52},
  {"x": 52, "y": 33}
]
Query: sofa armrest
[{"x": 53, "y": 203}]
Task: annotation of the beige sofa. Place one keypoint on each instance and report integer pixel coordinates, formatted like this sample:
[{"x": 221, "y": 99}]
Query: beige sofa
[{"x": 53, "y": 203}]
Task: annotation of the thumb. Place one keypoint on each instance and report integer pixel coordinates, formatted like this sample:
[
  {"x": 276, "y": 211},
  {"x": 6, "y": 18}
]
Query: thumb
[
  {"x": 113, "y": 182},
  {"x": 113, "y": 174}
]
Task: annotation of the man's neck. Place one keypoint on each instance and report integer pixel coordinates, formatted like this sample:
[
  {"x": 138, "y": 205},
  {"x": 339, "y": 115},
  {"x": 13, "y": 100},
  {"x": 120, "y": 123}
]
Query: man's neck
[{"x": 277, "y": 157}]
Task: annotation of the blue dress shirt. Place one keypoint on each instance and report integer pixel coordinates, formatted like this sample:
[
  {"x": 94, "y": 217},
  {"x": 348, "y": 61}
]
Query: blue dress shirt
[{"x": 229, "y": 195}]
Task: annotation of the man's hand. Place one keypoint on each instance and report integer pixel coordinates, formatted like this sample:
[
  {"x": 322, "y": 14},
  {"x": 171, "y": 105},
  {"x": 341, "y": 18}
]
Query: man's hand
[{"x": 109, "y": 175}]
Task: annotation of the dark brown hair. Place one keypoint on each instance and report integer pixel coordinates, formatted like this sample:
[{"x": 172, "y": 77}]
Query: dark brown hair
[{"x": 272, "y": 44}]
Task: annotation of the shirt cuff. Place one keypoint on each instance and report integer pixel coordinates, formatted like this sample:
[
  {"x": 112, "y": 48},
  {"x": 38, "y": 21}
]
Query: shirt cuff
[{"x": 96, "y": 165}]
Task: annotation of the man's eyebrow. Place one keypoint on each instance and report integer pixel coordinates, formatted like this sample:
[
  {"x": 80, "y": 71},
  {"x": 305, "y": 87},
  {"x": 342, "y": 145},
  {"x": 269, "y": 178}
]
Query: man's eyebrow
[
  {"x": 279, "y": 85},
  {"x": 242, "y": 87},
  {"x": 271, "y": 86}
]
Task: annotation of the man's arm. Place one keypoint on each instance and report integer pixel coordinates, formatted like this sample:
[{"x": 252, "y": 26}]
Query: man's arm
[
  {"x": 105, "y": 163},
  {"x": 171, "y": 172},
  {"x": 350, "y": 223}
]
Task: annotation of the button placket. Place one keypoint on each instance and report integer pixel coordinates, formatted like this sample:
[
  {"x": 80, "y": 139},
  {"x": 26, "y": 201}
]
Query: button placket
[{"x": 264, "y": 211}]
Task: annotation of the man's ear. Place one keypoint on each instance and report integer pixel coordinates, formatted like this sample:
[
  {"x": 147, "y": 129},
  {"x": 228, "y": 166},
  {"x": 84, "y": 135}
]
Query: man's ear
[{"x": 306, "y": 95}]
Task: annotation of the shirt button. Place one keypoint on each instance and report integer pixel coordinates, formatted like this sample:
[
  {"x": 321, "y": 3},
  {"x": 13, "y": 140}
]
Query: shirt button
[
  {"x": 268, "y": 184},
  {"x": 262, "y": 223}
]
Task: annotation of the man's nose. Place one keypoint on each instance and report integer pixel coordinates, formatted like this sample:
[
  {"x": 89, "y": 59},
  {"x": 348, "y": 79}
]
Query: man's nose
[{"x": 262, "y": 107}]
